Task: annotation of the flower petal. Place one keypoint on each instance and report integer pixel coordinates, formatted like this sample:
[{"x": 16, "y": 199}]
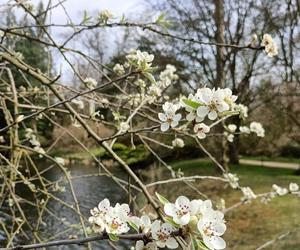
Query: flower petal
[
  {"x": 164, "y": 126},
  {"x": 202, "y": 111},
  {"x": 169, "y": 209},
  {"x": 212, "y": 115},
  {"x": 162, "y": 117},
  {"x": 171, "y": 243}
]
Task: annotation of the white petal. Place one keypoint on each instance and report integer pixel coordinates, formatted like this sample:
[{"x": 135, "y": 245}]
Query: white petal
[
  {"x": 104, "y": 205},
  {"x": 218, "y": 242},
  {"x": 199, "y": 119},
  {"x": 171, "y": 243},
  {"x": 164, "y": 126},
  {"x": 201, "y": 135},
  {"x": 155, "y": 226},
  {"x": 167, "y": 228},
  {"x": 174, "y": 124},
  {"x": 212, "y": 115},
  {"x": 219, "y": 228},
  {"x": 169, "y": 209},
  {"x": 202, "y": 111},
  {"x": 184, "y": 220},
  {"x": 190, "y": 117},
  {"x": 194, "y": 206},
  {"x": 162, "y": 117},
  {"x": 208, "y": 243},
  {"x": 146, "y": 220},
  {"x": 182, "y": 201},
  {"x": 177, "y": 117},
  {"x": 139, "y": 245}
]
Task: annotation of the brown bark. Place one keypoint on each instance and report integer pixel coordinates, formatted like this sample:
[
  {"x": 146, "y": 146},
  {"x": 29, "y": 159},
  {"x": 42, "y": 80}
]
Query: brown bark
[{"x": 220, "y": 74}]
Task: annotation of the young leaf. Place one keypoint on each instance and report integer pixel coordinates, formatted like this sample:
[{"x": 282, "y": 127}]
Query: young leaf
[
  {"x": 226, "y": 113},
  {"x": 170, "y": 220},
  {"x": 134, "y": 226},
  {"x": 162, "y": 199},
  {"x": 150, "y": 77},
  {"x": 113, "y": 237},
  {"x": 161, "y": 18},
  {"x": 201, "y": 245},
  {"x": 191, "y": 103}
]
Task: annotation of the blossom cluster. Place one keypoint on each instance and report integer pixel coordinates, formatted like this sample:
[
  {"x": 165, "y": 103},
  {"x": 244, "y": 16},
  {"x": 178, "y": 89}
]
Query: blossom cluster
[
  {"x": 195, "y": 219},
  {"x": 210, "y": 103},
  {"x": 29, "y": 135},
  {"x": 112, "y": 220},
  {"x": 200, "y": 219},
  {"x": 281, "y": 191},
  {"x": 270, "y": 46},
  {"x": 255, "y": 127}
]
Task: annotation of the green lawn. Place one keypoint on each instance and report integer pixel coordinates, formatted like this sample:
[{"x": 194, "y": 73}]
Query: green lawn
[
  {"x": 267, "y": 158},
  {"x": 249, "y": 225}
]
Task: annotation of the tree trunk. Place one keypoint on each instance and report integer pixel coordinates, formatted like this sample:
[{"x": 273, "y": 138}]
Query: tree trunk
[{"x": 220, "y": 76}]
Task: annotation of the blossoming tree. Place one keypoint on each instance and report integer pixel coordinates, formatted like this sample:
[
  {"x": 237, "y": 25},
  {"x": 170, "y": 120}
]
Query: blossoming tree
[{"x": 141, "y": 109}]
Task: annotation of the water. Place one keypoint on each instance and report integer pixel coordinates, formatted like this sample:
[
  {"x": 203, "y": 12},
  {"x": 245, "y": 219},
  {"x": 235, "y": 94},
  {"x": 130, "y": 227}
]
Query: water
[{"x": 89, "y": 191}]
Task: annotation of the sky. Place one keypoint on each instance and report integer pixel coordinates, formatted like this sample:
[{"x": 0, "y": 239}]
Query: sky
[{"x": 75, "y": 10}]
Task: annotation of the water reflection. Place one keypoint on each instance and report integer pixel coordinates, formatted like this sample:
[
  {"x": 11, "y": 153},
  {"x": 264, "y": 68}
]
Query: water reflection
[{"x": 89, "y": 191}]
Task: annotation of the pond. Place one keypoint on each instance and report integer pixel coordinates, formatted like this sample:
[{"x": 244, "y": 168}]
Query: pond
[{"x": 89, "y": 191}]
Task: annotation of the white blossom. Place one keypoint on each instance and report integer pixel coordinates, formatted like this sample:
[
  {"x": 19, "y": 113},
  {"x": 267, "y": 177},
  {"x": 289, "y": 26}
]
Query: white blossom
[
  {"x": 201, "y": 130},
  {"x": 232, "y": 128},
  {"x": 105, "y": 15},
  {"x": 78, "y": 102},
  {"x": 270, "y": 46},
  {"x": 248, "y": 193},
  {"x": 279, "y": 190},
  {"x": 111, "y": 219},
  {"x": 293, "y": 187},
  {"x": 229, "y": 137},
  {"x": 60, "y": 160},
  {"x": 242, "y": 109},
  {"x": 213, "y": 102},
  {"x": 169, "y": 118},
  {"x": 212, "y": 227},
  {"x": 167, "y": 76},
  {"x": 142, "y": 60},
  {"x": 90, "y": 83},
  {"x": 119, "y": 69},
  {"x": 244, "y": 130},
  {"x": 124, "y": 126},
  {"x": 140, "y": 245},
  {"x": 162, "y": 235},
  {"x": 232, "y": 179},
  {"x": 180, "y": 211},
  {"x": 144, "y": 223},
  {"x": 257, "y": 128},
  {"x": 178, "y": 142}
]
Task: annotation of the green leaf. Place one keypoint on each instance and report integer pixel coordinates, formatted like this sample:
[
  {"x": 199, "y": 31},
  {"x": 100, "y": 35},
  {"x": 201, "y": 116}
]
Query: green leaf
[
  {"x": 150, "y": 77},
  {"x": 201, "y": 244},
  {"x": 161, "y": 18},
  {"x": 134, "y": 226},
  {"x": 226, "y": 113},
  {"x": 162, "y": 199},
  {"x": 113, "y": 237},
  {"x": 194, "y": 245},
  {"x": 173, "y": 223},
  {"x": 191, "y": 103}
]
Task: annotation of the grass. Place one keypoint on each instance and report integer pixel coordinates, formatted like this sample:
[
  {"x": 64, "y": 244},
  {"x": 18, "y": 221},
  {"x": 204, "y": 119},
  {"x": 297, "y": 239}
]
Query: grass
[
  {"x": 253, "y": 224},
  {"x": 128, "y": 154},
  {"x": 268, "y": 158}
]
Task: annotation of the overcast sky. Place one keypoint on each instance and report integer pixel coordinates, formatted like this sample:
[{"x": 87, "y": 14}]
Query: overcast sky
[{"x": 75, "y": 10}]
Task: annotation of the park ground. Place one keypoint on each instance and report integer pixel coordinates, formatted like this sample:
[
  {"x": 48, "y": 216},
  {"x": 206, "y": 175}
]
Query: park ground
[{"x": 253, "y": 224}]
